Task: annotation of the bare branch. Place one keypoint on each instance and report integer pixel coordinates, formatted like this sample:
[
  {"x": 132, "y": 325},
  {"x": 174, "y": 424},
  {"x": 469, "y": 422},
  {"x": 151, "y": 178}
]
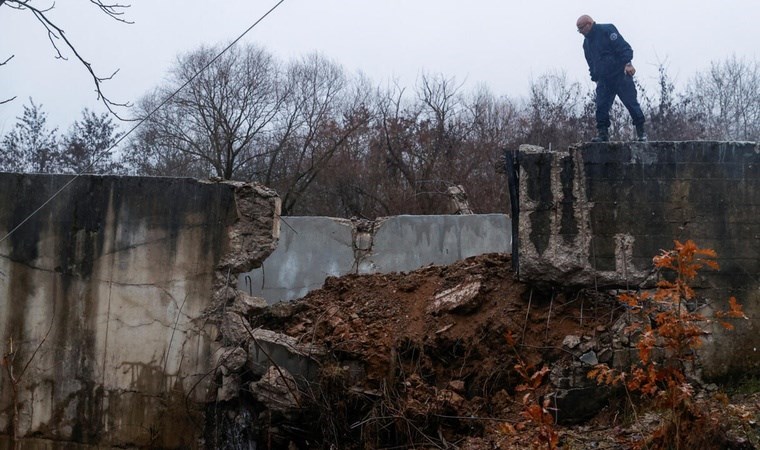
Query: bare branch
[
  {"x": 114, "y": 10},
  {"x": 7, "y": 100},
  {"x": 56, "y": 33}
]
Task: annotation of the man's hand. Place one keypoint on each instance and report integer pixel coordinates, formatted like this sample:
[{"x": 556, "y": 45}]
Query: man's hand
[{"x": 629, "y": 69}]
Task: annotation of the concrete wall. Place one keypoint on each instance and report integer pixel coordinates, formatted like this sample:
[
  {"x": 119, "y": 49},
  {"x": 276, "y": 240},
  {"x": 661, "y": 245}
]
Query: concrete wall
[
  {"x": 313, "y": 248},
  {"x": 103, "y": 302},
  {"x": 598, "y": 213}
]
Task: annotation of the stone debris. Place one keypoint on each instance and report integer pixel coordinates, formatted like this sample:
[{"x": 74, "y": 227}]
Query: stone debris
[
  {"x": 461, "y": 298},
  {"x": 234, "y": 329},
  {"x": 246, "y": 305},
  {"x": 395, "y": 360},
  {"x": 571, "y": 341},
  {"x": 232, "y": 359},
  {"x": 277, "y": 389},
  {"x": 590, "y": 358},
  {"x": 268, "y": 348},
  {"x": 459, "y": 202},
  {"x": 229, "y": 389}
]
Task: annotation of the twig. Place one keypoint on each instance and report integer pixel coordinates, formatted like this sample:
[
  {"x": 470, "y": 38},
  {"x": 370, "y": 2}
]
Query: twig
[
  {"x": 7, "y": 100},
  {"x": 527, "y": 313},
  {"x": 549, "y": 316},
  {"x": 56, "y": 33}
]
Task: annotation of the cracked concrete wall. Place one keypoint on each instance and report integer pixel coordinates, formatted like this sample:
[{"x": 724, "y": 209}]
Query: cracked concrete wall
[
  {"x": 104, "y": 298},
  {"x": 313, "y": 248},
  {"x": 596, "y": 215}
]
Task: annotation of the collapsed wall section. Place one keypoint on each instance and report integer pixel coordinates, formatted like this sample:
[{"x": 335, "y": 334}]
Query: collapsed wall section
[
  {"x": 313, "y": 248},
  {"x": 597, "y": 214},
  {"x": 104, "y": 299}
]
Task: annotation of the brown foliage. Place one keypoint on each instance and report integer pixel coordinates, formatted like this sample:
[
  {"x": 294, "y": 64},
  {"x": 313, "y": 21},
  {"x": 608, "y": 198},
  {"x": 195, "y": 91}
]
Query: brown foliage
[{"x": 677, "y": 332}]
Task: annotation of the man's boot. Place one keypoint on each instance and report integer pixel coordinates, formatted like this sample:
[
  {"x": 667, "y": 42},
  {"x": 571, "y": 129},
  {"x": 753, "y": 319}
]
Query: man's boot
[
  {"x": 641, "y": 134},
  {"x": 601, "y": 136}
]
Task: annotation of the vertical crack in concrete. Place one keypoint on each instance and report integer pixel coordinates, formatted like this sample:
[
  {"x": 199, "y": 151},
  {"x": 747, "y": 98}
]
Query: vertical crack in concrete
[
  {"x": 251, "y": 237},
  {"x": 363, "y": 235}
]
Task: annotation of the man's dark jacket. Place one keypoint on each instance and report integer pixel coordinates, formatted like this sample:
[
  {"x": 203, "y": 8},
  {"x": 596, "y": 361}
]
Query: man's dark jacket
[{"x": 606, "y": 51}]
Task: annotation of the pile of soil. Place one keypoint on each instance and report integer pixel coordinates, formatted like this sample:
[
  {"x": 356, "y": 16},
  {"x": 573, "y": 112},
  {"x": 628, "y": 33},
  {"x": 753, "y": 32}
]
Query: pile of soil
[{"x": 438, "y": 358}]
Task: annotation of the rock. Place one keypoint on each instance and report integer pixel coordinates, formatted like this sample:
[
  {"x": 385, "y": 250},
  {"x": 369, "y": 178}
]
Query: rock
[
  {"x": 462, "y": 298},
  {"x": 268, "y": 348},
  {"x": 450, "y": 399},
  {"x": 457, "y": 386},
  {"x": 246, "y": 305},
  {"x": 232, "y": 358},
  {"x": 579, "y": 404},
  {"x": 229, "y": 389},
  {"x": 590, "y": 358},
  {"x": 571, "y": 341},
  {"x": 277, "y": 390},
  {"x": 234, "y": 329},
  {"x": 605, "y": 355},
  {"x": 281, "y": 309},
  {"x": 588, "y": 345}
]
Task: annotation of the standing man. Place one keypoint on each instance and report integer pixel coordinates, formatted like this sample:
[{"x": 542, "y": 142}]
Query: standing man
[{"x": 609, "y": 62}]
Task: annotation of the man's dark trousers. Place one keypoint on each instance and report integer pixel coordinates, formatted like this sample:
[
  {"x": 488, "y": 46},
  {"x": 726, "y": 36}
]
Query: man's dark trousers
[{"x": 606, "y": 90}]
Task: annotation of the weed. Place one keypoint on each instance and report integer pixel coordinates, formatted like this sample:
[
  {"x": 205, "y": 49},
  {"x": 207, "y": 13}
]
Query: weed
[
  {"x": 669, "y": 324},
  {"x": 537, "y": 410}
]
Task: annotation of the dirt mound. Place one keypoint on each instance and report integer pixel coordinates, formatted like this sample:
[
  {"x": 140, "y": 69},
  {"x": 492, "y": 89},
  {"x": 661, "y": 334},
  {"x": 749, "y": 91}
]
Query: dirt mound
[{"x": 430, "y": 358}]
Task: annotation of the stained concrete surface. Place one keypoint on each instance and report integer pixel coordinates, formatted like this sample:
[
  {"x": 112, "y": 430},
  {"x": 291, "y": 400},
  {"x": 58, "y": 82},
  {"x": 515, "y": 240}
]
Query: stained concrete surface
[
  {"x": 596, "y": 214},
  {"x": 103, "y": 299}
]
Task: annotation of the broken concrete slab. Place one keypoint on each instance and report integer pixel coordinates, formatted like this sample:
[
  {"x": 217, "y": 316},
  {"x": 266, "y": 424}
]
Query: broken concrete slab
[
  {"x": 268, "y": 348},
  {"x": 277, "y": 389},
  {"x": 232, "y": 359},
  {"x": 460, "y": 298}
]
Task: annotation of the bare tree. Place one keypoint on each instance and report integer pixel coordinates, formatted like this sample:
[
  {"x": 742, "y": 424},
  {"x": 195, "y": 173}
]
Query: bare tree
[
  {"x": 420, "y": 147},
  {"x": 218, "y": 123},
  {"x": 61, "y": 43},
  {"x": 556, "y": 111},
  {"x": 494, "y": 129},
  {"x": 323, "y": 110},
  {"x": 728, "y": 93},
  {"x": 247, "y": 118},
  {"x": 395, "y": 149},
  {"x": 670, "y": 115}
]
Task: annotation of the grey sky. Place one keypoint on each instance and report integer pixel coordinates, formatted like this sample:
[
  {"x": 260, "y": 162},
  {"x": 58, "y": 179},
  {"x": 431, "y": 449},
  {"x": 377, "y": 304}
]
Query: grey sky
[{"x": 500, "y": 43}]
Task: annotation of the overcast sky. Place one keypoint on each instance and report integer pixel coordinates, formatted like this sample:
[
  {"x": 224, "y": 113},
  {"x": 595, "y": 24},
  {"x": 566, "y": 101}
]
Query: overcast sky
[{"x": 502, "y": 44}]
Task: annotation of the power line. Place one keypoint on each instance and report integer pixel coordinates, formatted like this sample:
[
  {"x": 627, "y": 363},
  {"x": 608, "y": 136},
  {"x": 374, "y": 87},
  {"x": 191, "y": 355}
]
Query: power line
[{"x": 164, "y": 102}]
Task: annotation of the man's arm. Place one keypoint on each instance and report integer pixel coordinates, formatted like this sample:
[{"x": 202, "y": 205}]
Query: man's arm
[
  {"x": 588, "y": 61},
  {"x": 623, "y": 50}
]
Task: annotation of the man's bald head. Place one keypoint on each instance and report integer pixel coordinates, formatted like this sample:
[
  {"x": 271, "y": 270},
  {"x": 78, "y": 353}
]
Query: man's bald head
[
  {"x": 584, "y": 24},
  {"x": 583, "y": 20}
]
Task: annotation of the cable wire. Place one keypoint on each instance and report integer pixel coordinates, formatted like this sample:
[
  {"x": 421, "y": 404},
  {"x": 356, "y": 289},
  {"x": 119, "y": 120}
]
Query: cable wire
[{"x": 164, "y": 102}]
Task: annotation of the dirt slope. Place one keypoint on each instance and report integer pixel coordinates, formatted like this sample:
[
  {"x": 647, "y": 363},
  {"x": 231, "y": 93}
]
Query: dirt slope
[{"x": 427, "y": 359}]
